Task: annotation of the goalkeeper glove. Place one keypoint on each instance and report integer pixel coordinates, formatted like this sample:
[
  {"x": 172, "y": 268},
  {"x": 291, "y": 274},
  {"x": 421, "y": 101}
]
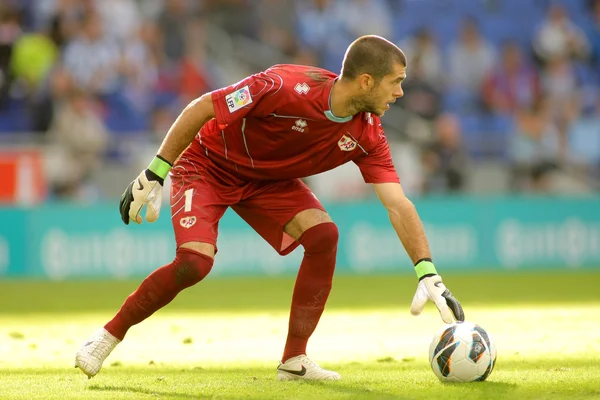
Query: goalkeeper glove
[
  {"x": 431, "y": 288},
  {"x": 146, "y": 189}
]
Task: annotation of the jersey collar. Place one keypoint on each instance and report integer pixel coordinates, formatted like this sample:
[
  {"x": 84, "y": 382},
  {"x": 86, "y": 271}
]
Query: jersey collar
[{"x": 328, "y": 112}]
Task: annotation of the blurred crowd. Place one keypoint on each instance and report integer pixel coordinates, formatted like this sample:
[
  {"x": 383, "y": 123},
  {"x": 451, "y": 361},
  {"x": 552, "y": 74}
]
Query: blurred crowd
[{"x": 512, "y": 84}]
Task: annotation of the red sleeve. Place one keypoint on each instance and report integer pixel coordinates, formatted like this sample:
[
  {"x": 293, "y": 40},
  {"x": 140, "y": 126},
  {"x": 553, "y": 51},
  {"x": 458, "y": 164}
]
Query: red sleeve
[
  {"x": 377, "y": 166},
  {"x": 255, "y": 95}
]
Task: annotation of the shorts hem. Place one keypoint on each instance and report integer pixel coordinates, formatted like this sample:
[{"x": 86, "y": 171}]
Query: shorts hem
[
  {"x": 295, "y": 243},
  {"x": 196, "y": 239}
]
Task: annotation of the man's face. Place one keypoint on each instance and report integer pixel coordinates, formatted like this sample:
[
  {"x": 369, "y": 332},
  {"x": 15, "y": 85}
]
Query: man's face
[{"x": 378, "y": 99}]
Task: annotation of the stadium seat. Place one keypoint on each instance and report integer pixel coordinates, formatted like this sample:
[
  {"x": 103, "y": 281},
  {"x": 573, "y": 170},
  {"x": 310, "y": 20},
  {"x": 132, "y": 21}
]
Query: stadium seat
[
  {"x": 14, "y": 116},
  {"x": 121, "y": 116}
]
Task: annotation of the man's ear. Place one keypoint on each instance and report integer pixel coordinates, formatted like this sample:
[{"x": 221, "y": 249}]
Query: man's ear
[{"x": 366, "y": 82}]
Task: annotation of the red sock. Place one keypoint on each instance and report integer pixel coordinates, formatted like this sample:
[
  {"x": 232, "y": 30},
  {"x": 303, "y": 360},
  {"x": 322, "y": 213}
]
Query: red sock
[
  {"x": 313, "y": 285},
  {"x": 159, "y": 288}
]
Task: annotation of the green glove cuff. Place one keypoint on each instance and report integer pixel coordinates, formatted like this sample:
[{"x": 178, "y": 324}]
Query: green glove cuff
[
  {"x": 424, "y": 268},
  {"x": 160, "y": 167}
]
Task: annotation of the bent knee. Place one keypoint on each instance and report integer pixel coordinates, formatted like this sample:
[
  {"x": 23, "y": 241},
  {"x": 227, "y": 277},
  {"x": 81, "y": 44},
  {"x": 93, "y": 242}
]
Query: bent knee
[
  {"x": 191, "y": 266},
  {"x": 321, "y": 238},
  {"x": 200, "y": 247}
]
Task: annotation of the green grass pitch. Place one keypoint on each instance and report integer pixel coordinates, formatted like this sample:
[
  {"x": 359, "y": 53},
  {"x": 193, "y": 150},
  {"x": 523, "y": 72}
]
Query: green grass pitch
[{"x": 222, "y": 339}]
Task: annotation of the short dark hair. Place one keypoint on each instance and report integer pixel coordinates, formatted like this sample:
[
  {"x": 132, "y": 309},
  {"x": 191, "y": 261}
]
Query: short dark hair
[{"x": 371, "y": 55}]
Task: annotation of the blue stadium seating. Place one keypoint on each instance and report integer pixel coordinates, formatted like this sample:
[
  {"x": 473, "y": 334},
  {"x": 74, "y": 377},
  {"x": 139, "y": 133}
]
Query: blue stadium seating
[
  {"x": 14, "y": 116},
  {"x": 499, "y": 20}
]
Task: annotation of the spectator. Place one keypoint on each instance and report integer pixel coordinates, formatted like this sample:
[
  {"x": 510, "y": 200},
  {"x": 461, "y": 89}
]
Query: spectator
[
  {"x": 559, "y": 37},
  {"x": 365, "y": 17},
  {"x": 422, "y": 50},
  {"x": 276, "y": 25},
  {"x": 140, "y": 66},
  {"x": 321, "y": 31},
  {"x": 126, "y": 25},
  {"x": 445, "y": 160},
  {"x": 423, "y": 87},
  {"x": 584, "y": 142},
  {"x": 511, "y": 85},
  {"x": 97, "y": 65},
  {"x": 75, "y": 153},
  {"x": 61, "y": 18},
  {"x": 195, "y": 75},
  {"x": 137, "y": 70},
  {"x": 421, "y": 96},
  {"x": 536, "y": 149},
  {"x": 407, "y": 159},
  {"x": 92, "y": 59},
  {"x": 172, "y": 23},
  {"x": 470, "y": 59},
  {"x": 561, "y": 90}
]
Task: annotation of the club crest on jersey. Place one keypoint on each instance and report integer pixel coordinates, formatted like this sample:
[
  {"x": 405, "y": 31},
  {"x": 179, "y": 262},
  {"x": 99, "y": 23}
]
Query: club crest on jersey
[
  {"x": 238, "y": 99},
  {"x": 346, "y": 144},
  {"x": 299, "y": 125},
  {"x": 187, "y": 222}
]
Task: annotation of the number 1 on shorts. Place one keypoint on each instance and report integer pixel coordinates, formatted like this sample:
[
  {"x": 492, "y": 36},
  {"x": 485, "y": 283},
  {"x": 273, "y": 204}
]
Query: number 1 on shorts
[{"x": 188, "y": 200}]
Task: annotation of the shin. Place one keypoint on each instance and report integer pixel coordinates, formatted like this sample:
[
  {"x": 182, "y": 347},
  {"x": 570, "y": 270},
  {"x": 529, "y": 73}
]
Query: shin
[
  {"x": 313, "y": 285},
  {"x": 159, "y": 289}
]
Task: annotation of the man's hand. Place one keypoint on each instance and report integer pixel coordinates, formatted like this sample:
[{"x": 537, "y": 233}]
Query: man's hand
[
  {"x": 431, "y": 288},
  {"x": 146, "y": 189}
]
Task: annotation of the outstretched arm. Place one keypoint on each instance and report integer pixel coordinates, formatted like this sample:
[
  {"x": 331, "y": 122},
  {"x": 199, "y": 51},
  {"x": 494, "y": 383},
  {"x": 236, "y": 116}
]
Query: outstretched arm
[
  {"x": 408, "y": 226},
  {"x": 186, "y": 127},
  {"x": 405, "y": 220}
]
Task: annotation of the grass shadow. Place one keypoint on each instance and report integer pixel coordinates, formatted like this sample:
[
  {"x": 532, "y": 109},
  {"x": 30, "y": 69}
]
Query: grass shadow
[
  {"x": 138, "y": 390},
  {"x": 334, "y": 387},
  {"x": 498, "y": 386},
  {"x": 474, "y": 390},
  {"x": 355, "y": 392}
]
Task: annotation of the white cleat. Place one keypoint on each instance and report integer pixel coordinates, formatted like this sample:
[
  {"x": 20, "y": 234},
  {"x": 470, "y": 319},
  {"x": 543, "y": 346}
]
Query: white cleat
[
  {"x": 94, "y": 351},
  {"x": 301, "y": 367}
]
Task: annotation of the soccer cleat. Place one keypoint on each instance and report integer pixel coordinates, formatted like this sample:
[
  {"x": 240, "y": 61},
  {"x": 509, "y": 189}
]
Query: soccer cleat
[
  {"x": 301, "y": 367},
  {"x": 94, "y": 351}
]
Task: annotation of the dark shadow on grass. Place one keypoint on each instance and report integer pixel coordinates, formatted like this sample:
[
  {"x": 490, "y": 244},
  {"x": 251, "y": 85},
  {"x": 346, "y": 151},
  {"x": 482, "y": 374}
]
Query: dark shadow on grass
[
  {"x": 501, "y": 389},
  {"x": 130, "y": 389},
  {"x": 332, "y": 386},
  {"x": 354, "y": 392}
]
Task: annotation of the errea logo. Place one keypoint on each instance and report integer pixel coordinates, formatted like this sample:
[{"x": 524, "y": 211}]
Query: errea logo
[
  {"x": 299, "y": 125},
  {"x": 301, "y": 88}
]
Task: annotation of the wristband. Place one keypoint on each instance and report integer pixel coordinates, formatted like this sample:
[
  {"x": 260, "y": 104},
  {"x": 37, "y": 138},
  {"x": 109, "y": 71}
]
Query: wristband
[
  {"x": 160, "y": 167},
  {"x": 425, "y": 267}
]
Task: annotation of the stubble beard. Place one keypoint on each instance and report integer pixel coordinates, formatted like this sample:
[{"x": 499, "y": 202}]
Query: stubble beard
[{"x": 366, "y": 103}]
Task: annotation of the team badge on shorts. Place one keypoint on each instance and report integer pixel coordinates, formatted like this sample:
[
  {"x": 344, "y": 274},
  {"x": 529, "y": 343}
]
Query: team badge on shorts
[
  {"x": 238, "y": 99},
  {"x": 187, "y": 222},
  {"x": 346, "y": 144}
]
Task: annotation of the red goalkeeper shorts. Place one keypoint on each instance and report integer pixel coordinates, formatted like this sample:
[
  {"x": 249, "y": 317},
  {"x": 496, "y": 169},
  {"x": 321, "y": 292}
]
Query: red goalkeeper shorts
[{"x": 200, "y": 196}]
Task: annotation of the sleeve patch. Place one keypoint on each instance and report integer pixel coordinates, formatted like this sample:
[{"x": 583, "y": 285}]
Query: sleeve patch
[{"x": 238, "y": 99}]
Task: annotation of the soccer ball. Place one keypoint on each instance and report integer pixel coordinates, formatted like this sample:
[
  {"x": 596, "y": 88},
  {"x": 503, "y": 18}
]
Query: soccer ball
[{"x": 462, "y": 352}]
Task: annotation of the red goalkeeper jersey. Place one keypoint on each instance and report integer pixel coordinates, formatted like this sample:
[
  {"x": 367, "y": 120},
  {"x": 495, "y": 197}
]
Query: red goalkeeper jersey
[{"x": 277, "y": 125}]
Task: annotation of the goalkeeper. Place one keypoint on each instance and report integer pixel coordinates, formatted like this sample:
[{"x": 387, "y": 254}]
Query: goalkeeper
[{"x": 246, "y": 146}]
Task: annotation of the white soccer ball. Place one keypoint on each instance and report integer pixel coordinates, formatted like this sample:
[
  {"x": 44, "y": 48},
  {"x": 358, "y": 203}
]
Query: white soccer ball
[{"x": 462, "y": 352}]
